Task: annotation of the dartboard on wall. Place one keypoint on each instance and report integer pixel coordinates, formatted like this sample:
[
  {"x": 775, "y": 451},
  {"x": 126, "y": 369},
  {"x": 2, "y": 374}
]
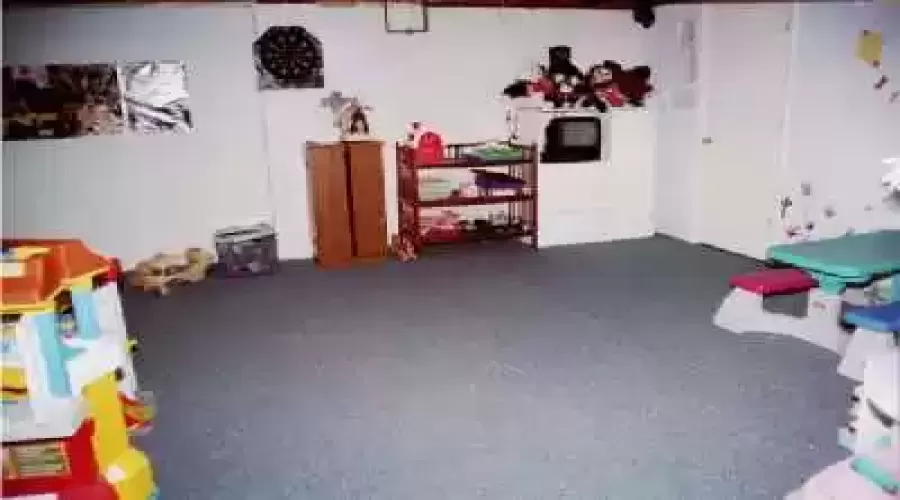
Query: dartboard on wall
[{"x": 289, "y": 57}]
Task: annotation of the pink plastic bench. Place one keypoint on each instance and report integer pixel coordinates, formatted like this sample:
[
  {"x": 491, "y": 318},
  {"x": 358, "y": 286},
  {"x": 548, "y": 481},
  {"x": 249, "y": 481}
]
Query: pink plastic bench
[{"x": 774, "y": 281}]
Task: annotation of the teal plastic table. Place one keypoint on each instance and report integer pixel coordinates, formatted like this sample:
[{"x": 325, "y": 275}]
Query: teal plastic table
[
  {"x": 852, "y": 259},
  {"x": 838, "y": 263}
]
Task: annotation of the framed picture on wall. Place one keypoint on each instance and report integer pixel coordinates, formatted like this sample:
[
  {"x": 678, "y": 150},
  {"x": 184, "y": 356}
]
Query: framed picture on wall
[
  {"x": 405, "y": 16},
  {"x": 56, "y": 101},
  {"x": 156, "y": 97}
]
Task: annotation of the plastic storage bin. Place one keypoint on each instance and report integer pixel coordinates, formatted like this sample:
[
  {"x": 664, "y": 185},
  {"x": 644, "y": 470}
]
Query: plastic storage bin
[{"x": 247, "y": 250}]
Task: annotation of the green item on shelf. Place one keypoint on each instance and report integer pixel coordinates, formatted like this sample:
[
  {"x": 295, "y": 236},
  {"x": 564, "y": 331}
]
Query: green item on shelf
[{"x": 498, "y": 153}]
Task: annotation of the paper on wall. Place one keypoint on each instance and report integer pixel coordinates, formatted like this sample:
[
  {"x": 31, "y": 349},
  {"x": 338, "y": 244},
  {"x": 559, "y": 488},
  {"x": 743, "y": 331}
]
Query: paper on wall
[{"x": 869, "y": 47}]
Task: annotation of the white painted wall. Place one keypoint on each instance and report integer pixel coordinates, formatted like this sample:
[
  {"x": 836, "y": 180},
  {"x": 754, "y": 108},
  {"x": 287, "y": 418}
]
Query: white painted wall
[
  {"x": 836, "y": 129},
  {"x": 131, "y": 196},
  {"x": 840, "y": 128},
  {"x": 449, "y": 78},
  {"x": 134, "y": 195}
]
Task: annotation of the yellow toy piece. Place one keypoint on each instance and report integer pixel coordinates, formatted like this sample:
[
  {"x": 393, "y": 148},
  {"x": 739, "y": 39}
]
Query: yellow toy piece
[
  {"x": 24, "y": 253},
  {"x": 102, "y": 397},
  {"x": 14, "y": 387}
]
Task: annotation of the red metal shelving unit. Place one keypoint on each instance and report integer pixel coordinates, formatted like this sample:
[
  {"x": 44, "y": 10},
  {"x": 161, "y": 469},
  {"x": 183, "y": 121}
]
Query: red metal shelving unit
[{"x": 521, "y": 207}]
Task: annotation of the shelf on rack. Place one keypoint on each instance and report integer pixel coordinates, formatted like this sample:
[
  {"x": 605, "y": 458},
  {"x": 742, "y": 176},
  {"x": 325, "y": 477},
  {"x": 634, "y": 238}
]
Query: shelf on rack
[
  {"x": 463, "y": 201},
  {"x": 520, "y": 176},
  {"x": 465, "y": 162},
  {"x": 473, "y": 237}
]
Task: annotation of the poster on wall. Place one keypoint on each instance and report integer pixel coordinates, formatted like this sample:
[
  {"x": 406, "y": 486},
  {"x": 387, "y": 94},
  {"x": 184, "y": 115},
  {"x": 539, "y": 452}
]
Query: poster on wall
[
  {"x": 289, "y": 57},
  {"x": 156, "y": 97},
  {"x": 61, "y": 100}
]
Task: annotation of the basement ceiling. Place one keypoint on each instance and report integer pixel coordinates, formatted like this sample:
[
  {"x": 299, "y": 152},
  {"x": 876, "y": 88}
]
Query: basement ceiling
[{"x": 526, "y": 4}]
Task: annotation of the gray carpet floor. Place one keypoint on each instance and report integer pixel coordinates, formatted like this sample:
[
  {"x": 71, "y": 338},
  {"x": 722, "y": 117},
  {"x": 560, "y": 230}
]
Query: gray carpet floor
[{"x": 584, "y": 372}]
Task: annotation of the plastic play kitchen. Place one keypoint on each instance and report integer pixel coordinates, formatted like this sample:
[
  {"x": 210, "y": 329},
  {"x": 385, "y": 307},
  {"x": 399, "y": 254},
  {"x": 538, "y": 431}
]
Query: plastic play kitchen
[{"x": 70, "y": 396}]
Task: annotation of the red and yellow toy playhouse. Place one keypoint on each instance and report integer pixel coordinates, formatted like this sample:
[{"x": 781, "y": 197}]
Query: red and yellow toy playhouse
[{"x": 70, "y": 397}]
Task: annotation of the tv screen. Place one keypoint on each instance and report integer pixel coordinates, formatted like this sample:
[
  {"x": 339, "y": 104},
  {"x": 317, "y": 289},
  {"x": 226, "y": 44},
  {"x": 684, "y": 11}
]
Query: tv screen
[
  {"x": 579, "y": 134},
  {"x": 572, "y": 139}
]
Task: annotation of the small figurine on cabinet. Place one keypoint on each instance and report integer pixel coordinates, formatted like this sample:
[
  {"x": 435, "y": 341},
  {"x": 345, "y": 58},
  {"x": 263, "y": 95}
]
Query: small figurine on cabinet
[
  {"x": 354, "y": 122},
  {"x": 350, "y": 116}
]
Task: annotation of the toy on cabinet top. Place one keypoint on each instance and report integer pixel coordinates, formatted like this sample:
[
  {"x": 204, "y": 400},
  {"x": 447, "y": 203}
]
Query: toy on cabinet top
[
  {"x": 566, "y": 77},
  {"x": 604, "y": 86},
  {"x": 354, "y": 122},
  {"x": 350, "y": 116},
  {"x": 616, "y": 87},
  {"x": 536, "y": 84},
  {"x": 561, "y": 68}
]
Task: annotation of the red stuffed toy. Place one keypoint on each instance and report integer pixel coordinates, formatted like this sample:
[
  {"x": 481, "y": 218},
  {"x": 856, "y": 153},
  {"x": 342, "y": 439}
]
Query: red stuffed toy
[
  {"x": 617, "y": 86},
  {"x": 603, "y": 82},
  {"x": 635, "y": 84}
]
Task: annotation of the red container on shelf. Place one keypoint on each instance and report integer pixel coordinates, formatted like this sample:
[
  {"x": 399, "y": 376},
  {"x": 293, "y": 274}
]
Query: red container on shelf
[{"x": 430, "y": 149}]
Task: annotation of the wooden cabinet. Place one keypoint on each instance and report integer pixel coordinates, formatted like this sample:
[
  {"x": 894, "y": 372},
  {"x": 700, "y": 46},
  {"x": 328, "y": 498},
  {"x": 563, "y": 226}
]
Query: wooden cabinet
[
  {"x": 346, "y": 192},
  {"x": 367, "y": 212}
]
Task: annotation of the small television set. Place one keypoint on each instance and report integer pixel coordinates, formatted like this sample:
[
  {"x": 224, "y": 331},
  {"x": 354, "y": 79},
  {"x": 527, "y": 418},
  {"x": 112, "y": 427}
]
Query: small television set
[{"x": 571, "y": 139}]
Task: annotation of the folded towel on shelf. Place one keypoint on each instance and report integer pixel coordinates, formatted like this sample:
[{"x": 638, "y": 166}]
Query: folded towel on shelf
[
  {"x": 436, "y": 188},
  {"x": 487, "y": 179}
]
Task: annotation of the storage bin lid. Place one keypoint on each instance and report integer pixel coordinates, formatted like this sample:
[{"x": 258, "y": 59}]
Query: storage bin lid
[{"x": 234, "y": 234}]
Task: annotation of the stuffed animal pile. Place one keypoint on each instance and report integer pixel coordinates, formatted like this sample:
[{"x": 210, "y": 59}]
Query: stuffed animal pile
[{"x": 564, "y": 85}]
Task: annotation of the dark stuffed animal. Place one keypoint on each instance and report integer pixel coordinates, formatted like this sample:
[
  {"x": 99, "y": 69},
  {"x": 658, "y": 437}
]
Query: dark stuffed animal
[
  {"x": 359, "y": 124},
  {"x": 594, "y": 100},
  {"x": 616, "y": 86},
  {"x": 564, "y": 75},
  {"x": 604, "y": 73},
  {"x": 539, "y": 84},
  {"x": 635, "y": 84},
  {"x": 604, "y": 84},
  {"x": 570, "y": 92},
  {"x": 561, "y": 63},
  {"x": 517, "y": 89}
]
